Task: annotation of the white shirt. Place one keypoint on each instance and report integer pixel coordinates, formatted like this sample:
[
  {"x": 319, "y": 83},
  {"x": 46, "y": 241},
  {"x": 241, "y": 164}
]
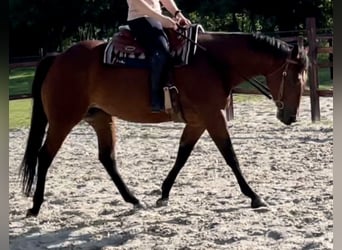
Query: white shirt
[{"x": 134, "y": 13}]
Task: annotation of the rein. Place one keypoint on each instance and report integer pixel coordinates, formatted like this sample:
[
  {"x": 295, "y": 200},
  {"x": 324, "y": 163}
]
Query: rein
[
  {"x": 254, "y": 82},
  {"x": 210, "y": 56}
]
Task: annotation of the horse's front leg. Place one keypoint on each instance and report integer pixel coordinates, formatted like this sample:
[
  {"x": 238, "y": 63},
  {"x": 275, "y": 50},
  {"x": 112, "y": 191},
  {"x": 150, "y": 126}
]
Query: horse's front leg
[
  {"x": 190, "y": 136},
  {"x": 218, "y": 130}
]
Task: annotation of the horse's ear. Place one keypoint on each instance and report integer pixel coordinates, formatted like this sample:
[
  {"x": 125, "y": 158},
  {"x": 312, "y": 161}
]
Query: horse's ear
[
  {"x": 299, "y": 50},
  {"x": 303, "y": 48},
  {"x": 303, "y": 52},
  {"x": 300, "y": 43}
]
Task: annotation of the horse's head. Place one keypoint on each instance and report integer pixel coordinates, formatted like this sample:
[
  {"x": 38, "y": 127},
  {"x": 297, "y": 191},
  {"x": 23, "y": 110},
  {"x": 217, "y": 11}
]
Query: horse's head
[{"x": 287, "y": 84}]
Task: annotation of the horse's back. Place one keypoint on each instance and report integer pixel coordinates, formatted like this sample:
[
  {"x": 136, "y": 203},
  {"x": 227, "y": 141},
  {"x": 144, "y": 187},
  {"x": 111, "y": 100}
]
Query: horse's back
[{"x": 79, "y": 80}]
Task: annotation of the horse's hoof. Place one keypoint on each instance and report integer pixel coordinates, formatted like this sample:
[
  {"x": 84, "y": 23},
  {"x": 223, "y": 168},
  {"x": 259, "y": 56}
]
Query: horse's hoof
[
  {"x": 258, "y": 202},
  {"x": 138, "y": 206},
  {"x": 162, "y": 202},
  {"x": 31, "y": 213}
]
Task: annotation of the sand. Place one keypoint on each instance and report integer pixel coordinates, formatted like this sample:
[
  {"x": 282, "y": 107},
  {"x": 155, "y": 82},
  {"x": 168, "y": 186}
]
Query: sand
[{"x": 291, "y": 167}]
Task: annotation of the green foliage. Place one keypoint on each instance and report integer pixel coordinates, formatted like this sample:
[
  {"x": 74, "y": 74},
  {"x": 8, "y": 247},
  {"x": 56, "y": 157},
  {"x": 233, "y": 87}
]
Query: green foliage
[
  {"x": 55, "y": 24},
  {"x": 260, "y": 15}
]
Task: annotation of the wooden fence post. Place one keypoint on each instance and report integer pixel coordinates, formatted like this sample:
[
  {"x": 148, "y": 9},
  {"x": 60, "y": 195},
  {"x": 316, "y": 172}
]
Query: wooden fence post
[
  {"x": 313, "y": 70},
  {"x": 331, "y": 55}
]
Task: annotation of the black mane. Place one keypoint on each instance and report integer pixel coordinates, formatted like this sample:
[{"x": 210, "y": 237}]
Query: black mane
[{"x": 270, "y": 45}]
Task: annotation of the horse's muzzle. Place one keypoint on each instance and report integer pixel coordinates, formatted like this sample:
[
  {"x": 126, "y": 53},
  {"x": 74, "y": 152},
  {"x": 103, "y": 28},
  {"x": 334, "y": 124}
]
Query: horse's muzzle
[{"x": 285, "y": 117}]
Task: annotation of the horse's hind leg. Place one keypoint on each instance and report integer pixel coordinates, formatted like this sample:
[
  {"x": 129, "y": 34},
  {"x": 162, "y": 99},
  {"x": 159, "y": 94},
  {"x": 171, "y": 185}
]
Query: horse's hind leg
[
  {"x": 104, "y": 127},
  {"x": 188, "y": 140},
  {"x": 54, "y": 138},
  {"x": 218, "y": 131}
]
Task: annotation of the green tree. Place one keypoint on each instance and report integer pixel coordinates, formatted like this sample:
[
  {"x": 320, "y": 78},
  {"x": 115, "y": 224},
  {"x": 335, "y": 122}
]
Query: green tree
[{"x": 55, "y": 24}]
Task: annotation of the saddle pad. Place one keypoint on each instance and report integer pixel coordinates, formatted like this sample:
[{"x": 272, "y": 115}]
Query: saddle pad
[{"x": 182, "y": 56}]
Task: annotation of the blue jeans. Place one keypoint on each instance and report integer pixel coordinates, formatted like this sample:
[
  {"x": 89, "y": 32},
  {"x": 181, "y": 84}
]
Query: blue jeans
[{"x": 150, "y": 34}]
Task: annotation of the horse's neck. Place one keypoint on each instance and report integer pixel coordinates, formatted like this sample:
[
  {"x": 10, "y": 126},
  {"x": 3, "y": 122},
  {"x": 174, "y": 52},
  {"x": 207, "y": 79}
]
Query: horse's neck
[{"x": 233, "y": 50}]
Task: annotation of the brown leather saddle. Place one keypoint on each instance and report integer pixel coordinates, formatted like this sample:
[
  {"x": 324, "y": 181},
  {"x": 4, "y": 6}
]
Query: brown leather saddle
[
  {"x": 123, "y": 49},
  {"x": 125, "y": 43}
]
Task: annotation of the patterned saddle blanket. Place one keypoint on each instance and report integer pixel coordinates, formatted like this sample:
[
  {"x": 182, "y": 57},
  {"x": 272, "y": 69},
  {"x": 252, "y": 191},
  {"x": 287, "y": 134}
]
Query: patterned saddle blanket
[{"x": 123, "y": 49}]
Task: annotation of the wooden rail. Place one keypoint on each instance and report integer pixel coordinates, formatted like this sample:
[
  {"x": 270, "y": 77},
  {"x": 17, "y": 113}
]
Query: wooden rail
[
  {"x": 18, "y": 97},
  {"x": 23, "y": 65}
]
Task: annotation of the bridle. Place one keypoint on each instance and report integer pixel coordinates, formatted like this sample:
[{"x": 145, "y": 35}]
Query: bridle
[{"x": 279, "y": 101}]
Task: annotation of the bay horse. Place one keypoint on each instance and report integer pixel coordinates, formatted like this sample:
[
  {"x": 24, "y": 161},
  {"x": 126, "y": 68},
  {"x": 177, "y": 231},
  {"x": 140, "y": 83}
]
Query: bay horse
[{"x": 74, "y": 86}]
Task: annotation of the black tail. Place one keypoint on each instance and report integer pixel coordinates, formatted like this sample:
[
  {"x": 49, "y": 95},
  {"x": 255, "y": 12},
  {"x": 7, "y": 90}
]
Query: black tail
[{"x": 38, "y": 126}]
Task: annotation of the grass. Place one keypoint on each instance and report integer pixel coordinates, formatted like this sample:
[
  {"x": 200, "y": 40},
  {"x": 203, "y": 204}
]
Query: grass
[
  {"x": 20, "y": 81},
  {"x": 20, "y": 113}
]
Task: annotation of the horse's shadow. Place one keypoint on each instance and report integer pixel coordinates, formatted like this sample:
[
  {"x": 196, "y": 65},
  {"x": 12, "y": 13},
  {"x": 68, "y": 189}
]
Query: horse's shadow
[
  {"x": 71, "y": 237},
  {"x": 78, "y": 236}
]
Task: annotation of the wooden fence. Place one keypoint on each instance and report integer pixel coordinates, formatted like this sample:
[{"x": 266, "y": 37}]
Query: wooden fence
[
  {"x": 315, "y": 48},
  {"x": 23, "y": 65}
]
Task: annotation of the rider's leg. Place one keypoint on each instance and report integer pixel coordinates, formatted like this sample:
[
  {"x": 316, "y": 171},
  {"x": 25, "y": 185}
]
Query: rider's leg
[{"x": 151, "y": 35}]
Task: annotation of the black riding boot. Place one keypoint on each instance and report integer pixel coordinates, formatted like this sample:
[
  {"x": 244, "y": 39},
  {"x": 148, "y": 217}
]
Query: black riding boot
[{"x": 159, "y": 73}]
